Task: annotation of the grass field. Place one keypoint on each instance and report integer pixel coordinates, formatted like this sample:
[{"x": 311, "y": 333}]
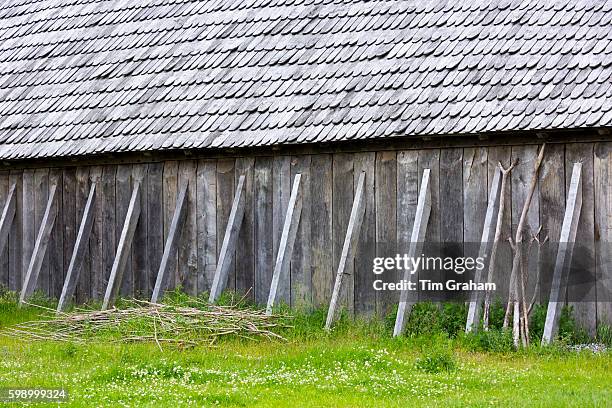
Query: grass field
[{"x": 357, "y": 365}]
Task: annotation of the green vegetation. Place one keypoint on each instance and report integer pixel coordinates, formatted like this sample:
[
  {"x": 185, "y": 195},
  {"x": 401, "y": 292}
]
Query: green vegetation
[{"x": 357, "y": 364}]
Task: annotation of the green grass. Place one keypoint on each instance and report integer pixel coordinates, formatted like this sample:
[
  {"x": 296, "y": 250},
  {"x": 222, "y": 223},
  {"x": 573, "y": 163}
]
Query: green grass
[{"x": 358, "y": 364}]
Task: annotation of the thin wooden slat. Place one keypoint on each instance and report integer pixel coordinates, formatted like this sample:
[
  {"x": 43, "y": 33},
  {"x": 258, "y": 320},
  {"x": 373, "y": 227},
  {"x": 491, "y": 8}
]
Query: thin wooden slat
[
  {"x": 348, "y": 248},
  {"x": 40, "y": 247},
  {"x": 365, "y": 295},
  {"x": 206, "y": 223},
  {"x": 342, "y": 197},
  {"x": 141, "y": 266},
  {"x": 83, "y": 289},
  {"x": 263, "y": 215},
  {"x": 28, "y": 224},
  {"x": 96, "y": 246},
  {"x": 123, "y": 248},
  {"x": 226, "y": 188},
  {"x": 16, "y": 235},
  {"x": 486, "y": 241},
  {"x": 5, "y": 199},
  {"x": 56, "y": 241},
  {"x": 300, "y": 269},
  {"x": 285, "y": 249},
  {"x": 154, "y": 220},
  {"x": 170, "y": 193},
  {"x": 419, "y": 232},
  {"x": 564, "y": 255},
  {"x": 281, "y": 181},
  {"x": 582, "y": 295},
  {"x": 188, "y": 240},
  {"x": 71, "y": 224},
  {"x": 321, "y": 229},
  {"x": 78, "y": 253},
  {"x": 407, "y": 197},
  {"x": 107, "y": 200},
  {"x": 6, "y": 220},
  {"x": 170, "y": 248},
  {"x": 228, "y": 247},
  {"x": 603, "y": 225},
  {"x": 41, "y": 197},
  {"x": 430, "y": 160},
  {"x": 245, "y": 257},
  {"x": 123, "y": 194}
]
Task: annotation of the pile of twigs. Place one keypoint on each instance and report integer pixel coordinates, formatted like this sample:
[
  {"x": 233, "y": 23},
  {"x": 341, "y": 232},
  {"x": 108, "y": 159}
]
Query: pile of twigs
[{"x": 143, "y": 321}]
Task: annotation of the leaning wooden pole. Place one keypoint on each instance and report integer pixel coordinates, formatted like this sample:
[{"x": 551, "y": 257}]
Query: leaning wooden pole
[
  {"x": 348, "y": 248},
  {"x": 285, "y": 248},
  {"x": 40, "y": 247},
  {"x": 8, "y": 213},
  {"x": 123, "y": 248},
  {"x": 419, "y": 228},
  {"x": 78, "y": 253},
  {"x": 473, "y": 316},
  {"x": 564, "y": 254},
  {"x": 176, "y": 225},
  {"x": 229, "y": 243}
]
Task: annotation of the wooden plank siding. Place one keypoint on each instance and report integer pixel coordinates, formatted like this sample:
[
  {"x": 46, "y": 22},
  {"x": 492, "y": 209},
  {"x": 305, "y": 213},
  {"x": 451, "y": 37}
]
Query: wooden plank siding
[{"x": 460, "y": 181}]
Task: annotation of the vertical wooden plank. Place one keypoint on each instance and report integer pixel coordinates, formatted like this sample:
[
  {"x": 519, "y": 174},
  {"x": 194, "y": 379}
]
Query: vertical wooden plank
[
  {"x": 263, "y": 237},
  {"x": 342, "y": 199},
  {"x": 28, "y": 220},
  {"x": 206, "y": 223},
  {"x": 245, "y": 257},
  {"x": 281, "y": 180},
  {"x": 475, "y": 193},
  {"x": 285, "y": 248},
  {"x": 16, "y": 234},
  {"x": 225, "y": 197},
  {"x": 123, "y": 193},
  {"x": 503, "y": 264},
  {"x": 96, "y": 265},
  {"x": 141, "y": 269},
  {"x": 365, "y": 295},
  {"x": 170, "y": 192},
  {"x": 41, "y": 196},
  {"x": 4, "y": 258},
  {"x": 552, "y": 205},
  {"x": 69, "y": 215},
  {"x": 603, "y": 230},
  {"x": 188, "y": 241},
  {"x": 584, "y": 291},
  {"x": 430, "y": 159},
  {"x": 56, "y": 242},
  {"x": 301, "y": 274},
  {"x": 321, "y": 228},
  {"x": 154, "y": 219},
  {"x": 106, "y": 205},
  {"x": 83, "y": 289},
  {"x": 407, "y": 197}
]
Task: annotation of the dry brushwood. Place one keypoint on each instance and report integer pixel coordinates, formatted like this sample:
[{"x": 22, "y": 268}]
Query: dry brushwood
[{"x": 143, "y": 321}]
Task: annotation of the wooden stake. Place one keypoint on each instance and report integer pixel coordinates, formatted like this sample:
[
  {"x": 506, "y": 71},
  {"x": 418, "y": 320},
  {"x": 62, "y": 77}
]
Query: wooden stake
[
  {"x": 229, "y": 243},
  {"x": 419, "y": 228},
  {"x": 176, "y": 225},
  {"x": 473, "y": 317},
  {"x": 348, "y": 248},
  {"x": 285, "y": 248},
  {"x": 40, "y": 247},
  {"x": 74, "y": 268},
  {"x": 123, "y": 248},
  {"x": 564, "y": 254}
]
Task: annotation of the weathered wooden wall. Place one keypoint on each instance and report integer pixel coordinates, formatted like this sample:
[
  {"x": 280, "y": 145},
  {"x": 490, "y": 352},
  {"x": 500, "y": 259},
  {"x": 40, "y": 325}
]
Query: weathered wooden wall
[{"x": 459, "y": 180}]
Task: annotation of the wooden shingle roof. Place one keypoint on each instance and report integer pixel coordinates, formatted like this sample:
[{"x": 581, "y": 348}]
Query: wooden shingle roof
[{"x": 94, "y": 76}]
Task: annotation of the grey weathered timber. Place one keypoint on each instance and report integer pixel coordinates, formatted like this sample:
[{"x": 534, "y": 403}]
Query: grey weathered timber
[
  {"x": 78, "y": 253},
  {"x": 229, "y": 242},
  {"x": 490, "y": 222},
  {"x": 263, "y": 236},
  {"x": 285, "y": 248},
  {"x": 564, "y": 254},
  {"x": 40, "y": 247},
  {"x": 123, "y": 248},
  {"x": 419, "y": 229},
  {"x": 178, "y": 219},
  {"x": 602, "y": 167},
  {"x": 348, "y": 248},
  {"x": 8, "y": 213}
]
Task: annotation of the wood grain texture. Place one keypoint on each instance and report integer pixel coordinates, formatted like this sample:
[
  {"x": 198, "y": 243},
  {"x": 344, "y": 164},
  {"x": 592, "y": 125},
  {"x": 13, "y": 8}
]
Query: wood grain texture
[
  {"x": 71, "y": 224},
  {"x": 123, "y": 189},
  {"x": 188, "y": 240},
  {"x": 109, "y": 222},
  {"x": 96, "y": 250},
  {"x": 321, "y": 228},
  {"x": 245, "y": 247},
  {"x": 430, "y": 159},
  {"x": 206, "y": 223},
  {"x": 225, "y": 197},
  {"x": 57, "y": 262},
  {"x": 170, "y": 193},
  {"x": 281, "y": 182},
  {"x": 603, "y": 230},
  {"x": 263, "y": 237},
  {"x": 301, "y": 260},
  {"x": 41, "y": 197},
  {"x": 342, "y": 199},
  {"x": 15, "y": 252},
  {"x": 584, "y": 290},
  {"x": 83, "y": 288},
  {"x": 7, "y": 215},
  {"x": 154, "y": 219},
  {"x": 141, "y": 267}
]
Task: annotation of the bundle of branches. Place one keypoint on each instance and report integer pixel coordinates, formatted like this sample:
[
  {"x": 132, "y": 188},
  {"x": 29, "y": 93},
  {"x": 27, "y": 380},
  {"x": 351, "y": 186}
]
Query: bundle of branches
[{"x": 143, "y": 321}]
